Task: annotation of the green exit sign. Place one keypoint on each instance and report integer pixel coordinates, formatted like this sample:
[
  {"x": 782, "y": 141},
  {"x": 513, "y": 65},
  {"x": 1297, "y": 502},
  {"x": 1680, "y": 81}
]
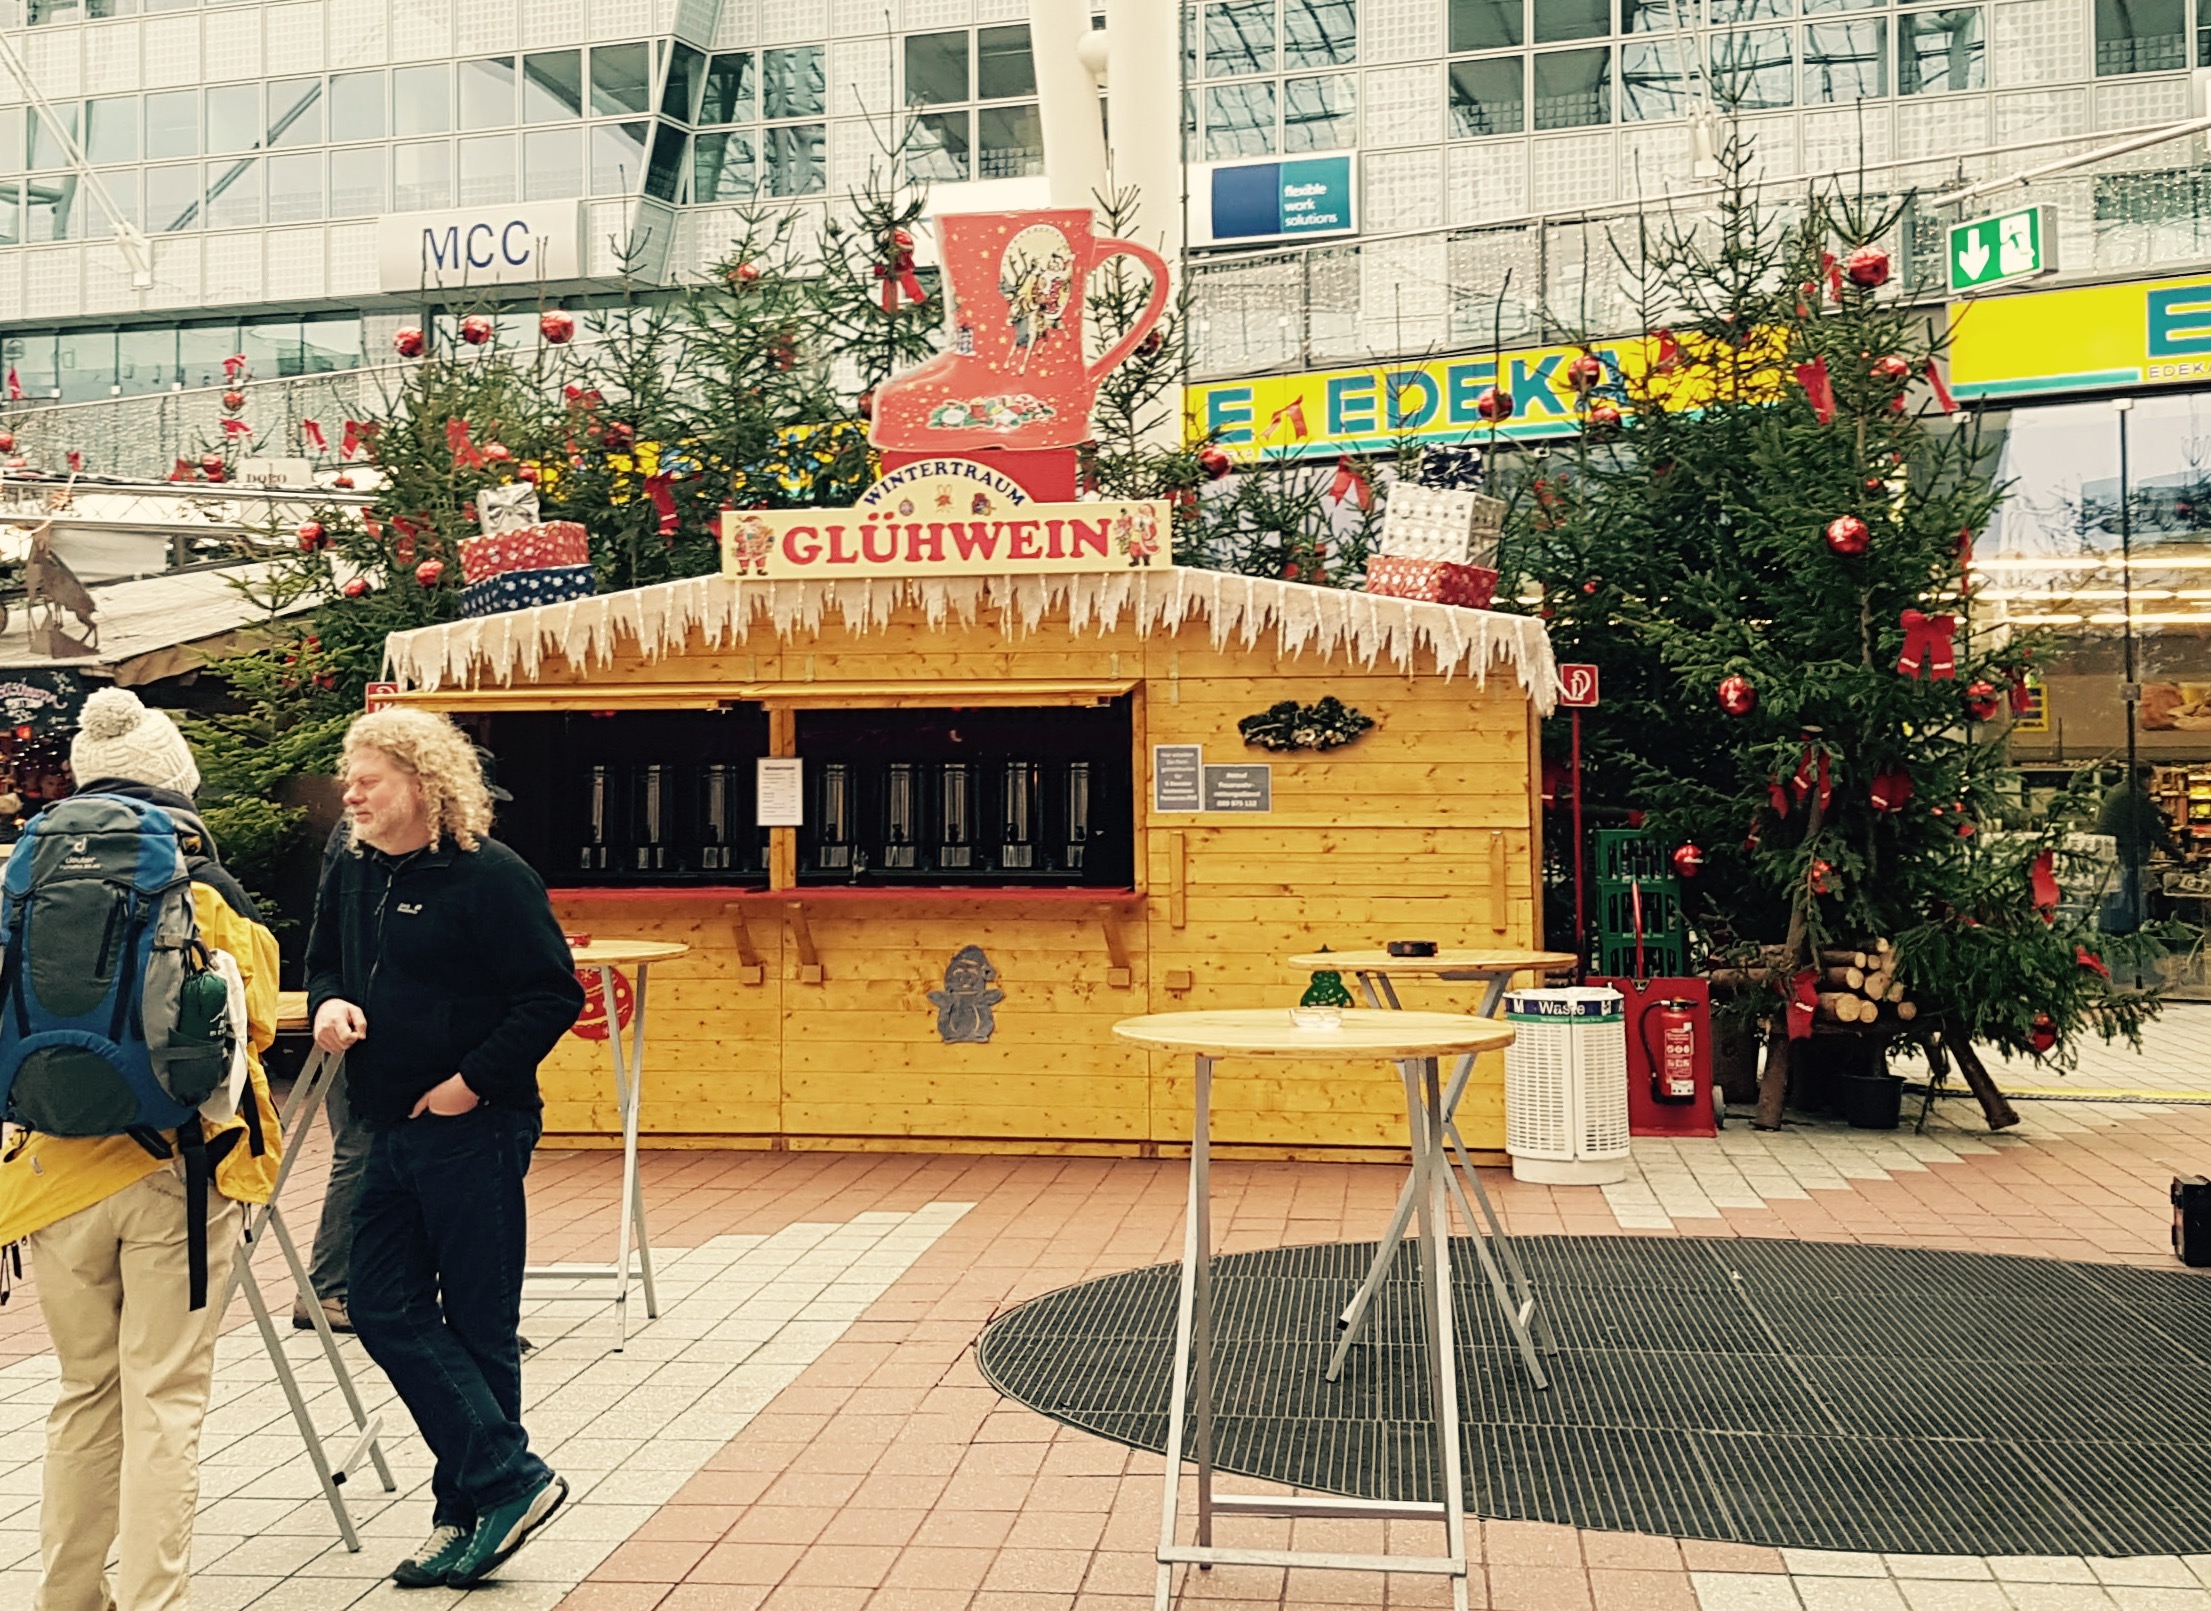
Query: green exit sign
[{"x": 1996, "y": 251}]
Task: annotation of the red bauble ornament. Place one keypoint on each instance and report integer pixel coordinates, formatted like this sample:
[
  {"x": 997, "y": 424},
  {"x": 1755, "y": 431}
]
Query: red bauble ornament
[
  {"x": 2042, "y": 1035},
  {"x": 1586, "y": 372},
  {"x": 343, "y": 482},
  {"x": 212, "y": 463},
  {"x": 527, "y": 472},
  {"x": 557, "y": 328},
  {"x": 407, "y": 341},
  {"x": 1848, "y": 535},
  {"x": 1890, "y": 790},
  {"x": 7, "y": 441},
  {"x": 498, "y": 452},
  {"x": 743, "y": 273},
  {"x": 429, "y": 572},
  {"x": 1604, "y": 417},
  {"x": 864, "y": 404},
  {"x": 476, "y": 330},
  {"x": 1214, "y": 462},
  {"x": 619, "y": 435},
  {"x": 1493, "y": 404},
  {"x": 1895, "y": 367},
  {"x": 1868, "y": 267},
  {"x": 1738, "y": 695},
  {"x": 1820, "y": 873},
  {"x": 234, "y": 401},
  {"x": 1982, "y": 700},
  {"x": 1151, "y": 343},
  {"x": 310, "y": 536},
  {"x": 1688, "y": 861},
  {"x": 355, "y": 588}
]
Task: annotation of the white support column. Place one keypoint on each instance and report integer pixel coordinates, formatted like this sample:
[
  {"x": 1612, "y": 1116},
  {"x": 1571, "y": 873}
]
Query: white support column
[
  {"x": 1067, "y": 102},
  {"x": 1144, "y": 95}
]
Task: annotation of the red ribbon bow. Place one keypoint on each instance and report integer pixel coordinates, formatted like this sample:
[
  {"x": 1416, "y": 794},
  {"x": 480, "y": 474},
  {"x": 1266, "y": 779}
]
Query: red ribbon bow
[
  {"x": 237, "y": 428},
  {"x": 1349, "y": 481},
  {"x": 186, "y": 470},
  {"x": 312, "y": 430},
  {"x": 1819, "y": 387},
  {"x": 1943, "y": 399},
  {"x": 2021, "y": 697},
  {"x": 76, "y": 461},
  {"x": 457, "y": 442},
  {"x": 1803, "y": 1003},
  {"x": 1833, "y": 270},
  {"x": 359, "y": 434},
  {"x": 896, "y": 271},
  {"x": 1929, "y": 643},
  {"x": 2089, "y": 960},
  {"x": 2042, "y": 885},
  {"x": 664, "y": 500}
]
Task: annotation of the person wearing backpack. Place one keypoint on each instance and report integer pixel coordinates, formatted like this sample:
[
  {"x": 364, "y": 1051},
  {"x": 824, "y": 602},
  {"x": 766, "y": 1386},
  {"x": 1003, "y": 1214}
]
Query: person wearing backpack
[
  {"x": 130, "y": 1258},
  {"x": 436, "y": 967}
]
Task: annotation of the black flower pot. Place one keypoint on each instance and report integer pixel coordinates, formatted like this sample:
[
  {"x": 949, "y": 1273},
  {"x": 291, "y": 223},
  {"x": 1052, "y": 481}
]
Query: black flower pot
[{"x": 1873, "y": 1101}]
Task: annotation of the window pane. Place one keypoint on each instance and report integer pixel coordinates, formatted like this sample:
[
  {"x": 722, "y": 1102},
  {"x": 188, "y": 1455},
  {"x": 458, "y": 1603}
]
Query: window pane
[
  {"x": 422, "y": 99},
  {"x": 1319, "y": 33},
  {"x": 49, "y": 207},
  {"x": 1573, "y": 88},
  {"x": 111, "y": 130},
  {"x": 330, "y": 344},
  {"x": 1751, "y": 10},
  {"x": 487, "y": 93},
  {"x": 48, "y": 150},
  {"x": 686, "y": 78},
  {"x": 1751, "y": 69},
  {"x": 1486, "y": 24},
  {"x": 939, "y": 148},
  {"x": 617, "y": 159},
  {"x": 1487, "y": 97},
  {"x": 732, "y": 90},
  {"x": 295, "y": 112},
  {"x": 122, "y": 189},
  {"x": 1320, "y": 114},
  {"x": 1239, "y": 38},
  {"x": 552, "y": 164},
  {"x": 1846, "y": 61},
  {"x": 87, "y": 363},
  {"x": 173, "y": 198},
  {"x": 1650, "y": 16},
  {"x": 32, "y": 358},
  {"x": 1652, "y": 83},
  {"x": 233, "y": 118},
  {"x": 489, "y": 170},
  {"x": 1811, "y": 6},
  {"x": 621, "y": 79},
  {"x": 1239, "y": 120},
  {"x": 295, "y": 188},
  {"x": 422, "y": 177},
  {"x": 722, "y": 167},
  {"x": 664, "y": 173},
  {"x": 145, "y": 360},
  {"x": 357, "y": 106},
  {"x": 271, "y": 346},
  {"x": 2140, "y": 36},
  {"x": 794, "y": 82},
  {"x": 357, "y": 183},
  {"x": 11, "y": 213},
  {"x": 201, "y": 349},
  {"x": 936, "y": 68},
  {"x": 173, "y": 124},
  {"x": 798, "y": 159},
  {"x": 1557, "y": 20},
  {"x": 552, "y": 86},
  {"x": 11, "y": 141},
  {"x": 1940, "y": 52},
  {"x": 234, "y": 194},
  {"x": 1003, "y": 64},
  {"x": 1012, "y": 142}
]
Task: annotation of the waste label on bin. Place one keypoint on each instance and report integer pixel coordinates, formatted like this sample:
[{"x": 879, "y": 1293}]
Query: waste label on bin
[{"x": 1536, "y": 1005}]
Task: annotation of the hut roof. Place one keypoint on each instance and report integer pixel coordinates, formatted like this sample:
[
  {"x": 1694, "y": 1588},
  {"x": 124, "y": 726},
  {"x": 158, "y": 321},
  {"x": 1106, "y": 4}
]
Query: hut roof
[{"x": 1358, "y": 628}]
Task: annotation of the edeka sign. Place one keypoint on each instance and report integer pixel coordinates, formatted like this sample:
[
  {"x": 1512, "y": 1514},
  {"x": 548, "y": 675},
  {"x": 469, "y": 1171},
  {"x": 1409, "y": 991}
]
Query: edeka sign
[
  {"x": 1268, "y": 200},
  {"x": 480, "y": 246},
  {"x": 2087, "y": 338},
  {"x": 944, "y": 517}
]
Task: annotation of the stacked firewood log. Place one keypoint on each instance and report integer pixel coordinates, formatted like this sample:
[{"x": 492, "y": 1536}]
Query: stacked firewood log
[{"x": 1854, "y": 986}]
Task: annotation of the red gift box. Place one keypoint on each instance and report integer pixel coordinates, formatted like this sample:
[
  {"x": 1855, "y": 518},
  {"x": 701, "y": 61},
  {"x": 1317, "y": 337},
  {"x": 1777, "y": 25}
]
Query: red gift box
[
  {"x": 554, "y": 545},
  {"x": 1431, "y": 581}
]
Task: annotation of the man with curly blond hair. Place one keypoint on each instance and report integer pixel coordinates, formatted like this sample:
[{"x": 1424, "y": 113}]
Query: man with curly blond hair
[{"x": 436, "y": 967}]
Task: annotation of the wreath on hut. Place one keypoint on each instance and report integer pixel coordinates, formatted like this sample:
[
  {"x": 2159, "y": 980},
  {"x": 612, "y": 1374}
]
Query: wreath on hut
[{"x": 1327, "y": 725}]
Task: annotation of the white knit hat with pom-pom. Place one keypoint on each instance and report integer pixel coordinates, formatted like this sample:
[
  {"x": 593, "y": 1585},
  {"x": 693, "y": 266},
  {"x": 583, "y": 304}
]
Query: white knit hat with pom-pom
[{"x": 118, "y": 737}]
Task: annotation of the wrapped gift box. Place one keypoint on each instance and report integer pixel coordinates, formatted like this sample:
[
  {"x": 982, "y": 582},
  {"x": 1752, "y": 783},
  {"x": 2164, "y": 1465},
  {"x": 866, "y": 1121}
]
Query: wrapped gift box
[
  {"x": 518, "y": 590},
  {"x": 1437, "y": 523},
  {"x": 553, "y": 545},
  {"x": 1432, "y": 581}
]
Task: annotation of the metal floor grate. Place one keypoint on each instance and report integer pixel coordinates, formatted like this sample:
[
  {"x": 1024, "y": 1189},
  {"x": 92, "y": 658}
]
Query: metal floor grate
[{"x": 1806, "y": 1394}]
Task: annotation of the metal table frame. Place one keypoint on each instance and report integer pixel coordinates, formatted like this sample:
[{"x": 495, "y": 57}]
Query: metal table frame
[
  {"x": 629, "y": 1075},
  {"x": 294, "y": 1123},
  {"x": 1509, "y": 1286},
  {"x": 1194, "y": 1348}
]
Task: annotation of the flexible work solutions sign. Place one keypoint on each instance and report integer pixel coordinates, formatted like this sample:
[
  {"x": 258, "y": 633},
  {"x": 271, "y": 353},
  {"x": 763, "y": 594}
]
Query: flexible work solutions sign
[
  {"x": 480, "y": 246},
  {"x": 1248, "y": 201},
  {"x": 2084, "y": 339}
]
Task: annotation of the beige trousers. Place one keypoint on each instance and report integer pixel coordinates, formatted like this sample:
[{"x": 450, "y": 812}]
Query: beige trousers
[{"x": 122, "y": 1445}]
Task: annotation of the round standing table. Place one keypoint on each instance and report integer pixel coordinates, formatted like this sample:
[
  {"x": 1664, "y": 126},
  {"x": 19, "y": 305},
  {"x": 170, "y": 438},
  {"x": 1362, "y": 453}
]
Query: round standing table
[
  {"x": 1494, "y": 968},
  {"x": 1415, "y": 1041},
  {"x": 605, "y": 957}
]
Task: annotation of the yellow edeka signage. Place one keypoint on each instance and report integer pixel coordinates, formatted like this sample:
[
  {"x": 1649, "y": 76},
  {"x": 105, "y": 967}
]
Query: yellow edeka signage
[
  {"x": 945, "y": 517},
  {"x": 2084, "y": 339}
]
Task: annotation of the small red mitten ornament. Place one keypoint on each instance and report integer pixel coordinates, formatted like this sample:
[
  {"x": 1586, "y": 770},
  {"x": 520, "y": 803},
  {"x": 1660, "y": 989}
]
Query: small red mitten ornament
[
  {"x": 233, "y": 401},
  {"x": 1982, "y": 701},
  {"x": 1493, "y": 404},
  {"x": 1868, "y": 267},
  {"x": 1894, "y": 367},
  {"x": 2043, "y": 1034},
  {"x": 1848, "y": 535},
  {"x": 1738, "y": 695},
  {"x": 1214, "y": 462},
  {"x": 407, "y": 341},
  {"x": 310, "y": 536},
  {"x": 476, "y": 330},
  {"x": 1585, "y": 372},
  {"x": 556, "y": 327},
  {"x": 1890, "y": 790},
  {"x": 1688, "y": 860},
  {"x": 430, "y": 572},
  {"x": 356, "y": 588}
]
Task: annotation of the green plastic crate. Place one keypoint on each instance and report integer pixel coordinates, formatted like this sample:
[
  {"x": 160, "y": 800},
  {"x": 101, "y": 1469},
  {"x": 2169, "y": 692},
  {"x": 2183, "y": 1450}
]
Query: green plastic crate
[
  {"x": 1629, "y": 853},
  {"x": 1664, "y": 957},
  {"x": 1661, "y": 899}
]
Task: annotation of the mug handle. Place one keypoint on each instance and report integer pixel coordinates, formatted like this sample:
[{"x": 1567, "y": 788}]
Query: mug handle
[{"x": 1150, "y": 316}]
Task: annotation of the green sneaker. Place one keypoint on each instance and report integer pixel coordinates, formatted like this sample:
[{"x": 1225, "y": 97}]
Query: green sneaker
[
  {"x": 427, "y": 1567},
  {"x": 504, "y": 1529}
]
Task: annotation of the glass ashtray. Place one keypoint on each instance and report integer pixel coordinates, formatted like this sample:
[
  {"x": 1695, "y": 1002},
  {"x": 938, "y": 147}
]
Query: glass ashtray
[{"x": 1317, "y": 1017}]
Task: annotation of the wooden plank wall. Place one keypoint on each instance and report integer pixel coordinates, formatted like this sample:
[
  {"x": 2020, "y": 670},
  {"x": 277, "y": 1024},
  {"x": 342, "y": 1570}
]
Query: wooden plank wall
[{"x": 1422, "y": 829}]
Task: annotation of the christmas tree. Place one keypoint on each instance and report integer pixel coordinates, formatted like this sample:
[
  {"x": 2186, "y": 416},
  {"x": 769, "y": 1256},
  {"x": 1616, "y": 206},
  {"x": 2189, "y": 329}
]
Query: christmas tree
[{"x": 1763, "y": 537}]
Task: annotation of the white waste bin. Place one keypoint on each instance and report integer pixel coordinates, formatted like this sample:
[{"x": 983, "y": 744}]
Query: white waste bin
[{"x": 1566, "y": 1087}]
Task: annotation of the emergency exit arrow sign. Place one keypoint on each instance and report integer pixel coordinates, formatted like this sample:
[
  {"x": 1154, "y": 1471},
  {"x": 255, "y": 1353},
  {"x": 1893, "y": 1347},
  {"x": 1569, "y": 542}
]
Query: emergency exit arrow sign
[{"x": 1995, "y": 251}]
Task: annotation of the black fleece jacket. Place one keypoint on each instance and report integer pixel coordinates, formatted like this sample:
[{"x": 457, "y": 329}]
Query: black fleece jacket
[{"x": 455, "y": 959}]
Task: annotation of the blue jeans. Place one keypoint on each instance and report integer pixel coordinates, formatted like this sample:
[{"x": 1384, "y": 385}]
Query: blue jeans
[{"x": 439, "y": 1234}]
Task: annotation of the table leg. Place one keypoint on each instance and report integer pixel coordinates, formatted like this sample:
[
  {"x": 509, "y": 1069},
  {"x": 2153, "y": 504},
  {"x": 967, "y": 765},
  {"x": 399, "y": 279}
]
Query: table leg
[
  {"x": 1432, "y": 1167},
  {"x": 1493, "y": 996},
  {"x": 630, "y": 1141},
  {"x": 1196, "y": 1252},
  {"x": 1350, "y": 1322},
  {"x": 1366, "y": 989},
  {"x": 625, "y": 1100},
  {"x": 1529, "y": 1312}
]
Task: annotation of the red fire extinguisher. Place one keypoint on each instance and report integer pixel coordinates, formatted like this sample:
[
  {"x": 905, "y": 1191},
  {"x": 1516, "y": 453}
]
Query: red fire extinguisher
[{"x": 1674, "y": 1060}]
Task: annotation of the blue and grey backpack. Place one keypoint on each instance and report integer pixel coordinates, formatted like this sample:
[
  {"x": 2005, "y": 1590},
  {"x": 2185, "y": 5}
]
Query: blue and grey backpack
[{"x": 113, "y": 1020}]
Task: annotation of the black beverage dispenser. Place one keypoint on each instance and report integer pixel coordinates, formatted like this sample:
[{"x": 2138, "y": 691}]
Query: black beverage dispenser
[
  {"x": 717, "y": 807},
  {"x": 833, "y": 817},
  {"x": 1075, "y": 817},
  {"x": 956, "y": 816},
  {"x": 597, "y": 852},
  {"x": 1021, "y": 789},
  {"x": 649, "y": 818},
  {"x": 901, "y": 816}
]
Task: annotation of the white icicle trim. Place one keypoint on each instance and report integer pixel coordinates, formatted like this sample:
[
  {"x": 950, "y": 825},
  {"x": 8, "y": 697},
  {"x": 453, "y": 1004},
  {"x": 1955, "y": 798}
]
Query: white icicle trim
[{"x": 1361, "y": 628}]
